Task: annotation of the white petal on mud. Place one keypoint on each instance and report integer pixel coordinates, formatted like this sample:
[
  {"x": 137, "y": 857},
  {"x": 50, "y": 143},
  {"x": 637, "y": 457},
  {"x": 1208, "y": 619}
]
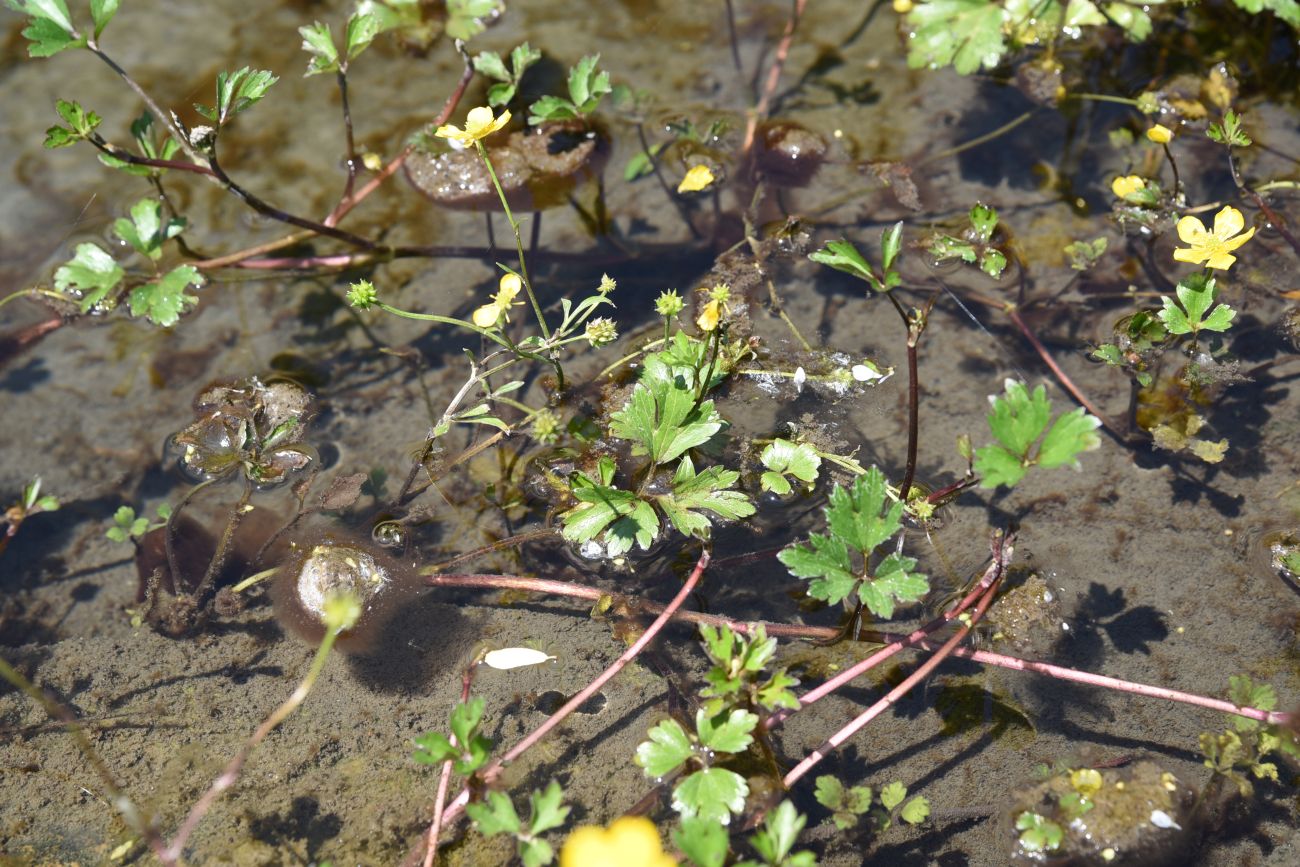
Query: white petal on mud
[
  {"x": 515, "y": 657},
  {"x": 1161, "y": 819}
]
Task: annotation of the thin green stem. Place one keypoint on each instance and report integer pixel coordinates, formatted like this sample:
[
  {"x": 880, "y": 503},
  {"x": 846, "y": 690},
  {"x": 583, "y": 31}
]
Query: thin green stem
[
  {"x": 494, "y": 336},
  {"x": 519, "y": 243},
  {"x": 50, "y": 293}
]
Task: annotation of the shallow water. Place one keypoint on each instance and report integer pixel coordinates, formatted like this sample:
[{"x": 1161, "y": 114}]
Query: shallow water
[{"x": 1157, "y": 559}]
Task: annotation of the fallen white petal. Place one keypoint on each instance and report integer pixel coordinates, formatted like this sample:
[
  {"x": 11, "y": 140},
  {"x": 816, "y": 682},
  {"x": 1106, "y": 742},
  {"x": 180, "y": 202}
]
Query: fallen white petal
[{"x": 515, "y": 657}]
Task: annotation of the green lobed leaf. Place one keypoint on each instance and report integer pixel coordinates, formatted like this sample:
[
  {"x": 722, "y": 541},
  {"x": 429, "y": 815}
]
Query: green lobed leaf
[
  {"x": 667, "y": 750},
  {"x": 997, "y": 466},
  {"x": 915, "y": 811},
  {"x": 534, "y": 852},
  {"x": 862, "y": 515},
  {"x": 784, "y": 457},
  {"x": 964, "y": 33},
  {"x": 983, "y": 221},
  {"x": 829, "y": 792},
  {"x": 892, "y": 795},
  {"x": 548, "y": 810},
  {"x": 361, "y": 30},
  {"x": 704, "y": 842},
  {"x": 712, "y": 794},
  {"x": 53, "y": 11},
  {"x": 1072, "y": 434},
  {"x": 465, "y": 18},
  {"x": 825, "y": 560},
  {"x": 1018, "y": 419},
  {"x": 709, "y": 490},
  {"x": 779, "y": 833},
  {"x": 662, "y": 420},
  {"x": 1287, "y": 10},
  {"x": 551, "y": 108},
  {"x": 318, "y": 41},
  {"x": 489, "y": 63},
  {"x": 496, "y": 815},
  {"x": 731, "y": 735},
  {"x": 893, "y": 581},
  {"x": 586, "y": 86},
  {"x": 1196, "y": 295},
  {"x": 91, "y": 274},
  {"x": 164, "y": 300},
  {"x": 465, "y": 718},
  {"x": 433, "y": 748}
]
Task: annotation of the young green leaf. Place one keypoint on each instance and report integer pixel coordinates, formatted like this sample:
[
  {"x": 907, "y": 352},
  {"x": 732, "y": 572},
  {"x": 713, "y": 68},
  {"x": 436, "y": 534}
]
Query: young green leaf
[
  {"x": 663, "y": 420},
  {"x": 465, "y": 18},
  {"x": 50, "y": 29},
  {"x": 892, "y": 795},
  {"x": 667, "y": 750},
  {"x": 731, "y": 735},
  {"x": 965, "y": 33},
  {"x": 862, "y": 515},
  {"x": 496, "y": 815},
  {"x": 90, "y": 275},
  {"x": 318, "y": 41},
  {"x": 620, "y": 517},
  {"x": 778, "y": 835},
  {"x": 362, "y": 28},
  {"x": 164, "y": 300},
  {"x": 81, "y": 125},
  {"x": 782, "y": 458},
  {"x": 825, "y": 560},
  {"x": 845, "y": 805},
  {"x": 890, "y": 243},
  {"x": 1196, "y": 293},
  {"x": 705, "y": 843},
  {"x": 1231, "y": 132},
  {"x": 1017, "y": 419},
  {"x": 983, "y": 221},
  {"x": 893, "y": 581},
  {"x": 586, "y": 86},
  {"x": 712, "y": 794},
  {"x": 237, "y": 91},
  {"x": 548, "y": 811},
  {"x": 709, "y": 490},
  {"x": 843, "y": 256},
  {"x": 915, "y": 811},
  {"x": 145, "y": 231}
]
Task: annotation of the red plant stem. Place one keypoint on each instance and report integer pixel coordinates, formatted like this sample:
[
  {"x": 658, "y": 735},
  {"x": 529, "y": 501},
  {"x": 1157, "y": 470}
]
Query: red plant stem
[
  {"x": 494, "y": 768},
  {"x": 444, "y": 778},
  {"x": 1003, "y": 547},
  {"x": 564, "y": 588},
  {"x": 913, "y": 415},
  {"x": 857, "y": 723},
  {"x": 773, "y": 76}
]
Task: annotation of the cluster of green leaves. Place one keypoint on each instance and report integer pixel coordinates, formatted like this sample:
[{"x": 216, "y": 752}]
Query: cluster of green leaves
[
  {"x": 587, "y": 88},
  {"x": 970, "y": 34},
  {"x": 847, "y": 806},
  {"x": 1231, "y": 132},
  {"x": 507, "y": 79},
  {"x": 1018, "y": 421},
  {"x": 237, "y": 92},
  {"x": 497, "y": 815},
  {"x": 33, "y": 501},
  {"x": 128, "y": 525},
  {"x": 93, "y": 279},
  {"x": 50, "y": 28},
  {"x": 1038, "y": 833},
  {"x": 1142, "y": 336},
  {"x": 1242, "y": 748},
  {"x": 318, "y": 41},
  {"x": 705, "y": 843},
  {"x": 710, "y": 792},
  {"x": 975, "y": 246},
  {"x": 843, "y": 256},
  {"x": 471, "y": 747},
  {"x": 664, "y": 419},
  {"x": 860, "y": 518},
  {"x": 738, "y": 677}
]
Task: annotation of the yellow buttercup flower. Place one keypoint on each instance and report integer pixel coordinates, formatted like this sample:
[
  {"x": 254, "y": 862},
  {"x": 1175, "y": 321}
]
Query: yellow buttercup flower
[
  {"x": 1160, "y": 134},
  {"x": 697, "y": 178},
  {"x": 489, "y": 314},
  {"x": 1127, "y": 185},
  {"x": 479, "y": 124},
  {"x": 1213, "y": 247},
  {"x": 631, "y": 841}
]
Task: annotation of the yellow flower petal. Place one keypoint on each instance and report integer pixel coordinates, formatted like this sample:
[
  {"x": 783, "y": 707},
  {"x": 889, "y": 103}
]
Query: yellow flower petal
[
  {"x": 698, "y": 178},
  {"x": 631, "y": 841},
  {"x": 487, "y": 315},
  {"x": 508, "y": 288},
  {"x": 1228, "y": 222},
  {"x": 1191, "y": 230},
  {"x": 479, "y": 124},
  {"x": 1160, "y": 134},
  {"x": 1192, "y": 256},
  {"x": 1125, "y": 186},
  {"x": 1221, "y": 260},
  {"x": 709, "y": 316}
]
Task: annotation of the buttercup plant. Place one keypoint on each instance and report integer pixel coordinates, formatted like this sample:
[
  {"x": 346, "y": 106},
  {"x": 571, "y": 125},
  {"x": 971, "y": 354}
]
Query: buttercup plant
[{"x": 565, "y": 452}]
